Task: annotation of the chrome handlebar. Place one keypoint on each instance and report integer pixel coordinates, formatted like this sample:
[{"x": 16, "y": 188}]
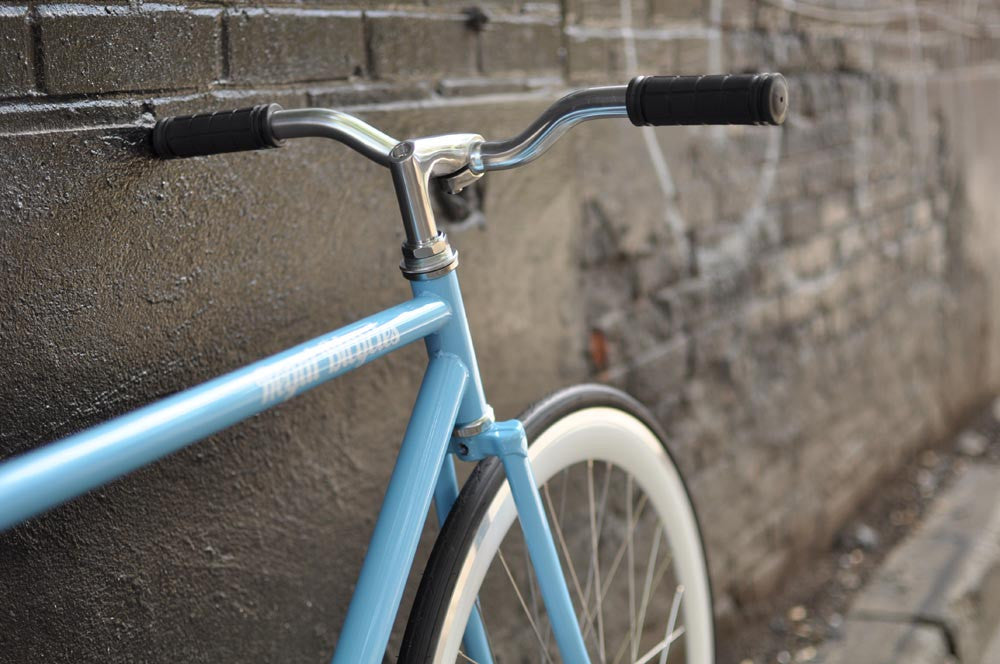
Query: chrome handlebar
[
  {"x": 560, "y": 117},
  {"x": 484, "y": 156},
  {"x": 460, "y": 159},
  {"x": 327, "y": 123}
]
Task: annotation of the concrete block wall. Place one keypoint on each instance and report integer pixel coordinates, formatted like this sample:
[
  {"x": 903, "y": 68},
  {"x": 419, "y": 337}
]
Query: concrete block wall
[{"x": 801, "y": 309}]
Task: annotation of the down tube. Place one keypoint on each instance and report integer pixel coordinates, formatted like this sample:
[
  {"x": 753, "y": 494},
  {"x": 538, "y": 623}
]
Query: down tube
[{"x": 400, "y": 521}]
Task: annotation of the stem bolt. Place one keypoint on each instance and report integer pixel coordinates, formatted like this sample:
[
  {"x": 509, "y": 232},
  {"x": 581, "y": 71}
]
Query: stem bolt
[{"x": 402, "y": 150}]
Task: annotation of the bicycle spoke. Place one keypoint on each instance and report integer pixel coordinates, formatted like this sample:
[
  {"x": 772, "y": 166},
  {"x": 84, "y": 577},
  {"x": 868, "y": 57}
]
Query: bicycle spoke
[
  {"x": 600, "y": 528},
  {"x": 665, "y": 643},
  {"x": 634, "y": 647},
  {"x": 489, "y": 640},
  {"x": 618, "y": 557},
  {"x": 616, "y": 638},
  {"x": 520, "y": 598},
  {"x": 534, "y": 600},
  {"x": 620, "y": 553},
  {"x": 562, "y": 544},
  {"x": 466, "y": 657},
  {"x": 650, "y": 568},
  {"x": 674, "y": 607},
  {"x": 654, "y": 583},
  {"x": 595, "y": 561},
  {"x": 644, "y": 604}
]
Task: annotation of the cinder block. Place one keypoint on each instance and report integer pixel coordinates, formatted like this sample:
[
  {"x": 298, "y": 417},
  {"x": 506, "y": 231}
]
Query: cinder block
[
  {"x": 15, "y": 65},
  {"x": 596, "y": 11},
  {"x": 595, "y": 58},
  {"x": 111, "y": 49},
  {"x": 744, "y": 51},
  {"x": 738, "y": 14},
  {"x": 521, "y": 46},
  {"x": 677, "y": 9},
  {"x": 284, "y": 45},
  {"x": 405, "y": 45},
  {"x": 692, "y": 56}
]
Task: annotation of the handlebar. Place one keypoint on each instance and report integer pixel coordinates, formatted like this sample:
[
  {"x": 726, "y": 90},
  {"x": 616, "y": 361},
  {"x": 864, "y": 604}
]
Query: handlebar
[
  {"x": 748, "y": 99},
  {"x": 560, "y": 117}
]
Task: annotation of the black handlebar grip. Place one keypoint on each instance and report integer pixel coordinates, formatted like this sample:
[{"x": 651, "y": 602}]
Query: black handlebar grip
[
  {"x": 215, "y": 133},
  {"x": 747, "y": 99}
]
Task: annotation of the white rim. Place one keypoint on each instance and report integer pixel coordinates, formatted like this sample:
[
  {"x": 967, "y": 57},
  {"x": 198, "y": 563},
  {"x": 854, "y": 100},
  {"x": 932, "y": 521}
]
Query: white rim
[{"x": 575, "y": 438}]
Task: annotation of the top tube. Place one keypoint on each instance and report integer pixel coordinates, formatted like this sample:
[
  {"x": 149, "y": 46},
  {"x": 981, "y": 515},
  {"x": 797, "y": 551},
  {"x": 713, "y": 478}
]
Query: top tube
[{"x": 45, "y": 477}]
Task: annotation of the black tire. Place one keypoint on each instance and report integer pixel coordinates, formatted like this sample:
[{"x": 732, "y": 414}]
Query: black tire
[{"x": 438, "y": 583}]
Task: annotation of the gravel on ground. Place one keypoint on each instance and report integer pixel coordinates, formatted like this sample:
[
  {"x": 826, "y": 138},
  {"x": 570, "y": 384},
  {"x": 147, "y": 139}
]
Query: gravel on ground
[{"x": 789, "y": 626}]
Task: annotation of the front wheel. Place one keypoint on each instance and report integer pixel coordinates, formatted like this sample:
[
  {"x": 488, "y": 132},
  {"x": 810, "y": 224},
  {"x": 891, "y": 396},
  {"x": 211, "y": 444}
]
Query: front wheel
[{"x": 625, "y": 529}]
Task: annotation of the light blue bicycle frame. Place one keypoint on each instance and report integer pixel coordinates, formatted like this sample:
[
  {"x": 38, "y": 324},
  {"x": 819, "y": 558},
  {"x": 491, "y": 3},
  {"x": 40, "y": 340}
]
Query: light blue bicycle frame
[{"x": 451, "y": 393}]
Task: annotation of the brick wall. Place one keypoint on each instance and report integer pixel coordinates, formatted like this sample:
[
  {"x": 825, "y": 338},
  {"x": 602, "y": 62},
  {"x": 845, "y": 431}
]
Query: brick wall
[{"x": 802, "y": 309}]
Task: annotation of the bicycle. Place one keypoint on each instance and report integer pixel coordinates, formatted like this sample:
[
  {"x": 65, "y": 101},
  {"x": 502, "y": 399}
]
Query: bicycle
[{"x": 592, "y": 447}]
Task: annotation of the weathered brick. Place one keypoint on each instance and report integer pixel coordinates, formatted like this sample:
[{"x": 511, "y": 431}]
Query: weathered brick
[
  {"x": 800, "y": 219},
  {"x": 470, "y": 87},
  {"x": 15, "y": 65},
  {"x": 922, "y": 214},
  {"x": 851, "y": 241},
  {"x": 595, "y": 58},
  {"x": 800, "y": 303},
  {"x": 113, "y": 49},
  {"x": 738, "y": 14},
  {"x": 786, "y": 53},
  {"x": 835, "y": 210},
  {"x": 691, "y": 56},
  {"x": 744, "y": 51},
  {"x": 279, "y": 45},
  {"x": 367, "y": 94},
  {"x": 662, "y": 369},
  {"x": 654, "y": 55},
  {"x": 822, "y": 51},
  {"x": 598, "y": 11},
  {"x": 812, "y": 257},
  {"x": 698, "y": 204},
  {"x": 521, "y": 46},
  {"x": 410, "y": 45},
  {"x": 670, "y": 10},
  {"x": 763, "y": 315},
  {"x": 774, "y": 19}
]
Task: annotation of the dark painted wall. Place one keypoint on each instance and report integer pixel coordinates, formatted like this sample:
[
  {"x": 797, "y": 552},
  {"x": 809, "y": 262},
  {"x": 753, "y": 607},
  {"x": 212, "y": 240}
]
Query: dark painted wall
[{"x": 804, "y": 310}]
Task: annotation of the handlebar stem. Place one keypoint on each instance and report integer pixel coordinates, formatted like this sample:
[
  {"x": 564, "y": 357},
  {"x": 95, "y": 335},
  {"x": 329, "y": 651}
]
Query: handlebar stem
[
  {"x": 464, "y": 157},
  {"x": 426, "y": 252}
]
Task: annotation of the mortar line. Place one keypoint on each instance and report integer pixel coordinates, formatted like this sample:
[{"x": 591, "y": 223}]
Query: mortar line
[
  {"x": 366, "y": 38},
  {"x": 37, "y": 54},
  {"x": 224, "y": 45}
]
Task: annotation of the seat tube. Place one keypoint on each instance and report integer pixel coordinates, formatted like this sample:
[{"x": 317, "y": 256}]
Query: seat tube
[
  {"x": 400, "y": 521},
  {"x": 455, "y": 338}
]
